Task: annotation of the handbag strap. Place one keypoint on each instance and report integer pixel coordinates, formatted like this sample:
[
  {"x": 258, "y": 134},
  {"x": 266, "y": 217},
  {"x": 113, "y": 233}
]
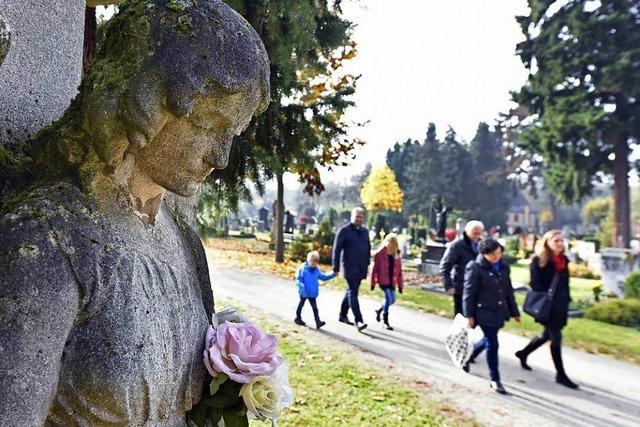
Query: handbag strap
[{"x": 554, "y": 285}]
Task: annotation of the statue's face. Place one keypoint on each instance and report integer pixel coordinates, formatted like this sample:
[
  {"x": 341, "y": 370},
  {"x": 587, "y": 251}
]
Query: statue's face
[{"x": 187, "y": 149}]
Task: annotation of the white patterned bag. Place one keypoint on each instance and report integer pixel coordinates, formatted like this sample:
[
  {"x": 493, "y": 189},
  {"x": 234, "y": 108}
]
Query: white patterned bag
[{"x": 458, "y": 341}]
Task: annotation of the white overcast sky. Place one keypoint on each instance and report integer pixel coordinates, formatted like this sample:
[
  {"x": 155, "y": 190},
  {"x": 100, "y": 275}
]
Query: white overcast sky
[{"x": 451, "y": 62}]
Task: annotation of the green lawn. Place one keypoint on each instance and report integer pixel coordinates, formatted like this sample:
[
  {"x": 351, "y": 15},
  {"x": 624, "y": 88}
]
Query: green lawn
[{"x": 332, "y": 387}]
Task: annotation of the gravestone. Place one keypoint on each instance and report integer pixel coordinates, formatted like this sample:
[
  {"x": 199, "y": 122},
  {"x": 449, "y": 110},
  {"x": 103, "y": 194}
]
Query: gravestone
[
  {"x": 431, "y": 257},
  {"x": 617, "y": 264},
  {"x": 263, "y": 215},
  {"x": 43, "y": 65},
  {"x": 105, "y": 294},
  {"x": 289, "y": 222},
  {"x": 5, "y": 39}
]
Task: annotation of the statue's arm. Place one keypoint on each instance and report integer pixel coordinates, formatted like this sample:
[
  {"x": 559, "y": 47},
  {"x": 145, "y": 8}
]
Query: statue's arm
[{"x": 38, "y": 304}]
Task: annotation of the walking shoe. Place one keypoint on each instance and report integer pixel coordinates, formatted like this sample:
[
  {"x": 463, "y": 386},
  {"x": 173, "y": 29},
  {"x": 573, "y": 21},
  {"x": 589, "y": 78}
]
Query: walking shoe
[
  {"x": 378, "y": 312},
  {"x": 299, "y": 321},
  {"x": 320, "y": 324},
  {"x": 345, "y": 319},
  {"x": 523, "y": 360},
  {"x": 385, "y": 317},
  {"x": 361, "y": 326},
  {"x": 565, "y": 381},
  {"x": 497, "y": 387},
  {"x": 465, "y": 367}
]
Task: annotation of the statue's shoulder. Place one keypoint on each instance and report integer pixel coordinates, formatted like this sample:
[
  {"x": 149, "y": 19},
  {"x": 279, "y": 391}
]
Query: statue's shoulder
[{"x": 46, "y": 213}]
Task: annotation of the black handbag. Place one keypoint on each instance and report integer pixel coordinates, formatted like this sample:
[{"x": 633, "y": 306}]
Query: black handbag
[{"x": 538, "y": 303}]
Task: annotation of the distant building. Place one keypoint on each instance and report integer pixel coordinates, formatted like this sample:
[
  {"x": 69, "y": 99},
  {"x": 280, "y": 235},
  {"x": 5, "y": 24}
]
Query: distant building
[{"x": 521, "y": 214}]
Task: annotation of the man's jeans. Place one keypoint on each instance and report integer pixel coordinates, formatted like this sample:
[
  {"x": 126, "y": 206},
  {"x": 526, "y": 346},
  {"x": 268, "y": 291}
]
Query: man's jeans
[{"x": 350, "y": 301}]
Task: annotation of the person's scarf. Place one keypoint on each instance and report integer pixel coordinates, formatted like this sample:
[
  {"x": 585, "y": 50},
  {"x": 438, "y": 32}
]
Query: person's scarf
[{"x": 559, "y": 262}]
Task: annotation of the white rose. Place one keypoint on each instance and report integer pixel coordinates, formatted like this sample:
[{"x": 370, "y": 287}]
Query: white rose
[
  {"x": 227, "y": 315},
  {"x": 266, "y": 396}
]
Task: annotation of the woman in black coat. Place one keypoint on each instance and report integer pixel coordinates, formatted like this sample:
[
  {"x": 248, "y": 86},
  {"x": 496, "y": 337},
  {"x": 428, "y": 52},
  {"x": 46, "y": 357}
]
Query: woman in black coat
[
  {"x": 487, "y": 301},
  {"x": 549, "y": 262}
]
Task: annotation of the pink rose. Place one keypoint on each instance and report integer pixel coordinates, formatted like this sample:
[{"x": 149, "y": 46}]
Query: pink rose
[{"x": 240, "y": 350}]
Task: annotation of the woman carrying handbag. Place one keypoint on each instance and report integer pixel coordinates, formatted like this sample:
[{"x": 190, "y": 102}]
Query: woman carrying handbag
[{"x": 549, "y": 280}]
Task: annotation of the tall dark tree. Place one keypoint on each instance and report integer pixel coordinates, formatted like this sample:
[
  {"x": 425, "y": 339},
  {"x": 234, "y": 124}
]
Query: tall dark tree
[
  {"x": 580, "y": 108},
  {"x": 422, "y": 168},
  {"x": 303, "y": 129},
  {"x": 489, "y": 190},
  {"x": 456, "y": 172},
  {"x": 400, "y": 158}
]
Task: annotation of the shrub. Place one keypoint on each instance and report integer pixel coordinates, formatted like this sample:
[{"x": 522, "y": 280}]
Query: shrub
[
  {"x": 512, "y": 245},
  {"x": 632, "y": 285},
  {"x": 582, "y": 271},
  {"x": 325, "y": 251},
  {"x": 597, "y": 291},
  {"x": 325, "y": 234},
  {"x": 623, "y": 312},
  {"x": 298, "y": 250}
]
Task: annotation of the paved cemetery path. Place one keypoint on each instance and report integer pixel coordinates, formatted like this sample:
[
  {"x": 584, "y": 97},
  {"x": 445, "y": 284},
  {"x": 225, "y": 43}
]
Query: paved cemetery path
[{"x": 610, "y": 389}]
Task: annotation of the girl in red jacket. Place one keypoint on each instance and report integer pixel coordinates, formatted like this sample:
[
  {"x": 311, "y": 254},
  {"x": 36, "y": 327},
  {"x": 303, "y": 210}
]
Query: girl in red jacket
[{"x": 387, "y": 272}]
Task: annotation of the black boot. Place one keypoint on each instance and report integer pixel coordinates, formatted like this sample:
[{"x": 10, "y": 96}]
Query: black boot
[
  {"x": 561, "y": 376},
  {"x": 525, "y": 352},
  {"x": 378, "y": 313},
  {"x": 385, "y": 316},
  {"x": 497, "y": 387}
]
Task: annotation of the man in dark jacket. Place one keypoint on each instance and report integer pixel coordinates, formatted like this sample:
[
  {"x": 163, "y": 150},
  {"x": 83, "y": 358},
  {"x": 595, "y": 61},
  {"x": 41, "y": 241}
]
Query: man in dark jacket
[
  {"x": 352, "y": 253},
  {"x": 456, "y": 258}
]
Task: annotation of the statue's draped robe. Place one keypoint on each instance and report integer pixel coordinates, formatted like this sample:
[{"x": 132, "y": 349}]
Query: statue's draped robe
[{"x": 102, "y": 318}]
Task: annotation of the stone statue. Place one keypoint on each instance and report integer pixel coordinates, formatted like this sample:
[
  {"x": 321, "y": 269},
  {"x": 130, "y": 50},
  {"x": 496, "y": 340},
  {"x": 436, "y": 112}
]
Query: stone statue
[
  {"x": 440, "y": 211},
  {"x": 104, "y": 291}
]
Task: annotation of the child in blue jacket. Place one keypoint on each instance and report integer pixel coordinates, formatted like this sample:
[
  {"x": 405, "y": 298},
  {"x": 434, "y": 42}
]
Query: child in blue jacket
[{"x": 307, "y": 280}]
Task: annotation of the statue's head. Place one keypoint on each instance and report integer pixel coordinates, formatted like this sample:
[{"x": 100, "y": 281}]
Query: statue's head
[{"x": 172, "y": 84}]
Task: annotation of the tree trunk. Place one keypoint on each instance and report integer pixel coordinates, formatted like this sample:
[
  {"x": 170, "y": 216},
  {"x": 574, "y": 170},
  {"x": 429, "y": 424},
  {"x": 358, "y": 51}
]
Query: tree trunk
[
  {"x": 90, "y": 31},
  {"x": 622, "y": 211},
  {"x": 279, "y": 220},
  {"x": 555, "y": 218}
]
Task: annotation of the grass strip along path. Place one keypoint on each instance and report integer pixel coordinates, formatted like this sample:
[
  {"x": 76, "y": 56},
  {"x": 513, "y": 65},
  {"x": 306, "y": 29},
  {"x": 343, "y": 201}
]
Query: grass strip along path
[
  {"x": 583, "y": 334},
  {"x": 331, "y": 389}
]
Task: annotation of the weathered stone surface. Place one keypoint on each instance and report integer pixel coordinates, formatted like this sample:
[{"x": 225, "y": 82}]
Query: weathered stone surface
[
  {"x": 5, "y": 39},
  {"x": 41, "y": 72},
  {"x": 104, "y": 291},
  {"x": 102, "y": 313}
]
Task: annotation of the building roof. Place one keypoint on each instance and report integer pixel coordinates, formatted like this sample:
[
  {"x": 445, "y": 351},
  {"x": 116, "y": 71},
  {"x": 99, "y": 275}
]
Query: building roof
[{"x": 518, "y": 204}]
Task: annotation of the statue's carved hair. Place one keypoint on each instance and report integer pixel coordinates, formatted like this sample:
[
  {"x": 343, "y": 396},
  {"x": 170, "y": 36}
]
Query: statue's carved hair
[{"x": 156, "y": 60}]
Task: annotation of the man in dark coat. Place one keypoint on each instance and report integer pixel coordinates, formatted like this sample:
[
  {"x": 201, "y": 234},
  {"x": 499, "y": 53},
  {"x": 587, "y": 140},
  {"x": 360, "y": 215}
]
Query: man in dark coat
[
  {"x": 456, "y": 258},
  {"x": 352, "y": 253}
]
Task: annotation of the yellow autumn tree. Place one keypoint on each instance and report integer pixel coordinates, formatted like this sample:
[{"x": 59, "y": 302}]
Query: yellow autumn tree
[{"x": 381, "y": 191}]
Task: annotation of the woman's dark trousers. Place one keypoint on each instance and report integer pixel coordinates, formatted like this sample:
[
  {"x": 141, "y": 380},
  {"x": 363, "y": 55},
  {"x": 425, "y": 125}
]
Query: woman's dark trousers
[
  {"x": 490, "y": 343},
  {"x": 350, "y": 301},
  {"x": 314, "y": 307},
  {"x": 555, "y": 336}
]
